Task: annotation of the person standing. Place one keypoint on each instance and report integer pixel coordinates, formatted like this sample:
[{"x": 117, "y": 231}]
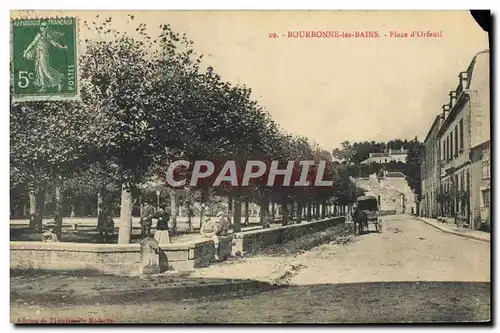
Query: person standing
[
  {"x": 216, "y": 229},
  {"x": 163, "y": 219},
  {"x": 162, "y": 234},
  {"x": 148, "y": 213}
]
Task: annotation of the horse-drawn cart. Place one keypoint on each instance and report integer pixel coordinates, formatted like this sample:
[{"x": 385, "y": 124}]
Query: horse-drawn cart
[{"x": 366, "y": 212}]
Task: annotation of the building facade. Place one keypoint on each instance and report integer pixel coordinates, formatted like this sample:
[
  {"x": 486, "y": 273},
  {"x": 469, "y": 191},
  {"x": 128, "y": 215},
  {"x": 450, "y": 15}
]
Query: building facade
[
  {"x": 480, "y": 186},
  {"x": 455, "y": 168},
  {"x": 430, "y": 172},
  {"x": 387, "y": 157}
]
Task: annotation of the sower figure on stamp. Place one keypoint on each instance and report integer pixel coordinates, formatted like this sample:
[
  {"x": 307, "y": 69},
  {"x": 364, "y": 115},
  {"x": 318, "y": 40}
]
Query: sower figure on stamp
[
  {"x": 148, "y": 213},
  {"x": 215, "y": 229},
  {"x": 39, "y": 51}
]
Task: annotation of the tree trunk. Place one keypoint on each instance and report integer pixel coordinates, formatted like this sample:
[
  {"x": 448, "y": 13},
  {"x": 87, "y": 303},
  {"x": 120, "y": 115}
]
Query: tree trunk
[
  {"x": 189, "y": 214},
  {"x": 263, "y": 212},
  {"x": 58, "y": 210},
  {"x": 299, "y": 212},
  {"x": 173, "y": 207},
  {"x": 125, "y": 229},
  {"x": 230, "y": 211},
  {"x": 309, "y": 211},
  {"x": 284, "y": 209},
  {"x": 32, "y": 211},
  {"x": 237, "y": 214},
  {"x": 273, "y": 211},
  {"x": 247, "y": 213},
  {"x": 26, "y": 209},
  {"x": 100, "y": 201},
  {"x": 40, "y": 210}
]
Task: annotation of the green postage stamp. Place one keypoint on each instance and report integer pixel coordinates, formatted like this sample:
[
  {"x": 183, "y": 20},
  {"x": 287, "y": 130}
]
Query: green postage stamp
[{"x": 44, "y": 59}]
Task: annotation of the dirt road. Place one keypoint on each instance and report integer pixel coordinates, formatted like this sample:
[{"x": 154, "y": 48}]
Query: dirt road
[{"x": 410, "y": 273}]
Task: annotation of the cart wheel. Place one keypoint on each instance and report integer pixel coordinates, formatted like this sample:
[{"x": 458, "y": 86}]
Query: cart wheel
[{"x": 379, "y": 227}]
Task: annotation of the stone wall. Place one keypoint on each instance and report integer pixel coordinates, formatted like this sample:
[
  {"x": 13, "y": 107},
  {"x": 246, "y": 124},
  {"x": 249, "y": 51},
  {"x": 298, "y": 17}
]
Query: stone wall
[
  {"x": 251, "y": 241},
  {"x": 106, "y": 258},
  {"x": 125, "y": 259}
]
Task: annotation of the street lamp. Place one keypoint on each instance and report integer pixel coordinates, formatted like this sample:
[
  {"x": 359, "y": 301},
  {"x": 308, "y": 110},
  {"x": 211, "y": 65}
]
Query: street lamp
[{"x": 157, "y": 199}]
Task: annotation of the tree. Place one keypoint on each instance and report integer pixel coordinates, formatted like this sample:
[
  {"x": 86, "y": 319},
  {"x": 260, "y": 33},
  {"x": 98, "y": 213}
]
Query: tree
[
  {"x": 127, "y": 85},
  {"x": 344, "y": 153},
  {"x": 49, "y": 141},
  {"x": 413, "y": 168}
]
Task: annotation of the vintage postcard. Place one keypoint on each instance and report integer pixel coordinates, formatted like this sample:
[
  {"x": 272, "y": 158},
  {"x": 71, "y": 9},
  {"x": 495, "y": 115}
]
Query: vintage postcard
[{"x": 250, "y": 167}]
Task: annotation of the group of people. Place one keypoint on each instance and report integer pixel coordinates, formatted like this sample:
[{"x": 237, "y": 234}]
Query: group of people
[
  {"x": 105, "y": 223},
  {"x": 211, "y": 227},
  {"x": 148, "y": 214}
]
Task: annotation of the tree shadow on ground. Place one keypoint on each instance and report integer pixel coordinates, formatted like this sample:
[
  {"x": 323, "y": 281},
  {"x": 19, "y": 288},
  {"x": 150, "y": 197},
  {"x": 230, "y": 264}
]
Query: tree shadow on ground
[{"x": 246, "y": 301}]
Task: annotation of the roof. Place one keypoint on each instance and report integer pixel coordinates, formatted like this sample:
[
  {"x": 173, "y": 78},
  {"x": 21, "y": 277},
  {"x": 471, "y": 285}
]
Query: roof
[
  {"x": 483, "y": 59},
  {"x": 435, "y": 125},
  {"x": 367, "y": 197},
  {"x": 395, "y": 175},
  {"x": 399, "y": 152},
  {"x": 379, "y": 154}
]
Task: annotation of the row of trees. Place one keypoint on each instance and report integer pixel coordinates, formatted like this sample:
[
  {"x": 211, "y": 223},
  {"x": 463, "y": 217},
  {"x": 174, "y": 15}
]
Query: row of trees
[{"x": 145, "y": 102}]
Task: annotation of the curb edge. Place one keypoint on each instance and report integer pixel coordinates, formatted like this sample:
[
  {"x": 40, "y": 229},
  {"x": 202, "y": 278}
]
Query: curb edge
[{"x": 453, "y": 232}]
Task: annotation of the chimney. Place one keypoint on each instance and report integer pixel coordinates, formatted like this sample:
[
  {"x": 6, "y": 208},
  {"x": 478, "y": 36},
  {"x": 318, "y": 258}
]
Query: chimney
[
  {"x": 464, "y": 80},
  {"x": 453, "y": 98},
  {"x": 446, "y": 110}
]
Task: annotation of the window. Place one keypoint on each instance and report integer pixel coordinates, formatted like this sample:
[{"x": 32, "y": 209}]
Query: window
[
  {"x": 461, "y": 134},
  {"x": 485, "y": 164},
  {"x": 448, "y": 155},
  {"x": 486, "y": 198},
  {"x": 485, "y": 172},
  {"x": 443, "y": 149},
  {"x": 451, "y": 144},
  {"x": 446, "y": 149},
  {"x": 456, "y": 140}
]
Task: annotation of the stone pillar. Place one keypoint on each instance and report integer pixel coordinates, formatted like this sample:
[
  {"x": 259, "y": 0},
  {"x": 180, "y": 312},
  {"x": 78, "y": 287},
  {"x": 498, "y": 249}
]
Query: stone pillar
[
  {"x": 150, "y": 256},
  {"x": 237, "y": 214}
]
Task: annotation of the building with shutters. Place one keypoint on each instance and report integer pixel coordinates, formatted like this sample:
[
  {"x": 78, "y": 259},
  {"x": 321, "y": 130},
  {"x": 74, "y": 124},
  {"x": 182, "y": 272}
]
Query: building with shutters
[{"x": 455, "y": 168}]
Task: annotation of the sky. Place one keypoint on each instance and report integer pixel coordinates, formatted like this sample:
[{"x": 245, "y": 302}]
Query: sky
[{"x": 328, "y": 90}]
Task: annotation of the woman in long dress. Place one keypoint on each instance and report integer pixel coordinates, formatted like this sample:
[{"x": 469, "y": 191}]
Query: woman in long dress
[{"x": 39, "y": 51}]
